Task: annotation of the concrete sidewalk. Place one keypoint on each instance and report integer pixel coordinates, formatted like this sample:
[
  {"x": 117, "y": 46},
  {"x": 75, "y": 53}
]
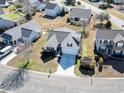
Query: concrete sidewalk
[{"x": 67, "y": 72}]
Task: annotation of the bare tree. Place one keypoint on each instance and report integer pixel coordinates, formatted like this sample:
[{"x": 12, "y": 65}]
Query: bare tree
[
  {"x": 16, "y": 78},
  {"x": 84, "y": 23}
]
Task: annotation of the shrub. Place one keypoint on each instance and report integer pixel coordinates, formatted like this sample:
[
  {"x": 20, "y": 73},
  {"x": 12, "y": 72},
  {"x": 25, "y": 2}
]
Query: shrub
[
  {"x": 101, "y": 61},
  {"x": 108, "y": 24},
  {"x": 28, "y": 16},
  {"x": 18, "y": 5},
  {"x": 68, "y": 20},
  {"x": 103, "y": 6},
  {"x": 79, "y": 3}
]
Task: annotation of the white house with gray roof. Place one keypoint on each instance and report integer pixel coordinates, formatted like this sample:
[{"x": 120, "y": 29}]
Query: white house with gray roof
[
  {"x": 52, "y": 9},
  {"x": 77, "y": 15},
  {"x": 110, "y": 41},
  {"x": 66, "y": 38},
  {"x": 27, "y": 32}
]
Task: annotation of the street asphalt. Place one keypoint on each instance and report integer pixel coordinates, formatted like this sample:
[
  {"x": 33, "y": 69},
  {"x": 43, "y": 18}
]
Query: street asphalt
[{"x": 40, "y": 83}]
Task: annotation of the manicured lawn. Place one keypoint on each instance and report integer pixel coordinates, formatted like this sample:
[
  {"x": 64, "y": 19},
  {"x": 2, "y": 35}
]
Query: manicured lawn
[
  {"x": 2, "y": 92},
  {"x": 13, "y": 16}
]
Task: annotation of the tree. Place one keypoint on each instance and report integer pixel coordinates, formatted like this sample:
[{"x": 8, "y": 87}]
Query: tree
[
  {"x": 103, "y": 16},
  {"x": 79, "y": 3},
  {"x": 62, "y": 12},
  {"x": 18, "y": 5},
  {"x": 28, "y": 16},
  {"x": 101, "y": 61},
  {"x": 83, "y": 23},
  {"x": 108, "y": 24},
  {"x": 70, "y": 2}
]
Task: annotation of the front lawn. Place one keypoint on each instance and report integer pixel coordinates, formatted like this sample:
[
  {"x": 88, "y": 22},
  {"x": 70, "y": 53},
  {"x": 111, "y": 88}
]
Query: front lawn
[
  {"x": 13, "y": 15},
  {"x": 2, "y": 92},
  {"x": 84, "y": 48},
  {"x": 34, "y": 57}
]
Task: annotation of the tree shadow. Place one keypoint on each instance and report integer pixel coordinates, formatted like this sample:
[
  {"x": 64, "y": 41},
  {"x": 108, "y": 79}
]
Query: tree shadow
[
  {"x": 47, "y": 56},
  {"x": 15, "y": 79},
  {"x": 86, "y": 70},
  {"x": 49, "y": 17}
]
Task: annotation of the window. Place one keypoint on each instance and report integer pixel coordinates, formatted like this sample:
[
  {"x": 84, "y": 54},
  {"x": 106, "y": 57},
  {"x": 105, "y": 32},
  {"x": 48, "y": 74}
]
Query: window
[
  {"x": 119, "y": 44},
  {"x": 69, "y": 44},
  {"x": 77, "y": 19}
]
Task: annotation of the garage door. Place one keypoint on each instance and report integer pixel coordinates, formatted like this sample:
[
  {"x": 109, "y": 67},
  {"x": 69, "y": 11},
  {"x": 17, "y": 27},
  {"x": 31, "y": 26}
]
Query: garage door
[
  {"x": 67, "y": 61},
  {"x": 69, "y": 51}
]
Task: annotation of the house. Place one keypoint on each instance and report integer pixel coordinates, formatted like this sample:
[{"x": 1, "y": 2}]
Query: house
[
  {"x": 27, "y": 32},
  {"x": 11, "y": 1},
  {"x": 52, "y": 9},
  {"x": 41, "y": 5},
  {"x": 118, "y": 1},
  {"x": 4, "y": 23},
  {"x": 64, "y": 40},
  {"x": 110, "y": 42},
  {"x": 80, "y": 14},
  {"x": 65, "y": 43},
  {"x": 3, "y": 3}
]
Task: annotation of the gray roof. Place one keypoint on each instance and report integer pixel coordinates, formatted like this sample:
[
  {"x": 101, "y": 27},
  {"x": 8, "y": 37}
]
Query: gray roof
[
  {"x": 59, "y": 35},
  {"x": 14, "y": 33},
  {"x": 115, "y": 35},
  {"x": 6, "y": 23},
  {"x": 32, "y": 25},
  {"x": 51, "y": 6},
  {"x": 80, "y": 13},
  {"x": 2, "y": 1},
  {"x": 24, "y": 30}
]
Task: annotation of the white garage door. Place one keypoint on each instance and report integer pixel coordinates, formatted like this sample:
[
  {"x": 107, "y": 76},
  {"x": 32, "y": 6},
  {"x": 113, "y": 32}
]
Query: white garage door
[{"x": 70, "y": 51}]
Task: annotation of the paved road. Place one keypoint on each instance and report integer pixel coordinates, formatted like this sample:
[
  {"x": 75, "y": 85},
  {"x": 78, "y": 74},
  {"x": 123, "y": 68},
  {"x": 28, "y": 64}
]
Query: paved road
[
  {"x": 40, "y": 83},
  {"x": 114, "y": 19}
]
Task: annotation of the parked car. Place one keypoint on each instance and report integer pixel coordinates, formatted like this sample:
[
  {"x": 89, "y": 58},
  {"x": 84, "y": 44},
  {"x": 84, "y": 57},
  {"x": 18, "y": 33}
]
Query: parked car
[{"x": 5, "y": 51}]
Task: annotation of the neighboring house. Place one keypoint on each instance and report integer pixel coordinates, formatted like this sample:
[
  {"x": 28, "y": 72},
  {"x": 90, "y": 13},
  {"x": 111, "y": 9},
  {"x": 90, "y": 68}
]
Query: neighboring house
[
  {"x": 27, "y": 32},
  {"x": 3, "y": 3},
  {"x": 41, "y": 5},
  {"x": 11, "y": 1},
  {"x": 80, "y": 14},
  {"x": 110, "y": 41},
  {"x": 94, "y": 0},
  {"x": 4, "y": 23},
  {"x": 118, "y": 1},
  {"x": 52, "y": 9},
  {"x": 63, "y": 41}
]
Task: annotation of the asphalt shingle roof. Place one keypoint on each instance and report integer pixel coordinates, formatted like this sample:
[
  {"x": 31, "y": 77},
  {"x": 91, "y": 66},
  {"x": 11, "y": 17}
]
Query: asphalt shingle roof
[
  {"x": 61, "y": 34},
  {"x": 51, "y": 6},
  {"x": 80, "y": 13},
  {"x": 2, "y": 1},
  {"x": 115, "y": 35},
  {"x": 24, "y": 30}
]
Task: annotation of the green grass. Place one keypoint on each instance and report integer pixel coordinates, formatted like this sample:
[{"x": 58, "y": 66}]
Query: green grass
[
  {"x": 22, "y": 63},
  {"x": 84, "y": 48},
  {"x": 2, "y": 92},
  {"x": 13, "y": 16}
]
